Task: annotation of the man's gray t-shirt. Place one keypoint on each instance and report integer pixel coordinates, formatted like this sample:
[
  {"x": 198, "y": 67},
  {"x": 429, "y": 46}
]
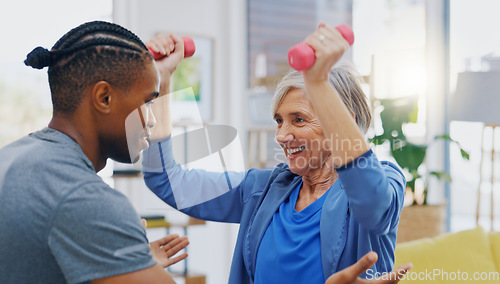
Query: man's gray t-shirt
[{"x": 59, "y": 222}]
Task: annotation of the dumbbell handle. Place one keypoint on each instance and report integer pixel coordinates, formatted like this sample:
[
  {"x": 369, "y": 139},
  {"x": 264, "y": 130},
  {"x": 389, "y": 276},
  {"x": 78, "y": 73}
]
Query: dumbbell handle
[
  {"x": 301, "y": 56},
  {"x": 189, "y": 49}
]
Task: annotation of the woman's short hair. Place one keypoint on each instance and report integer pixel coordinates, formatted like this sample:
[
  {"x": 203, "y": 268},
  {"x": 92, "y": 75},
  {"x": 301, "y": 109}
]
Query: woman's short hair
[{"x": 344, "y": 79}]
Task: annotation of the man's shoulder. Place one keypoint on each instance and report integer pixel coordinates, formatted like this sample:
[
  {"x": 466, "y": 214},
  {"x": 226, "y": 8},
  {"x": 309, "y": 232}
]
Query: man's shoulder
[
  {"x": 34, "y": 169},
  {"x": 46, "y": 144},
  {"x": 45, "y": 154}
]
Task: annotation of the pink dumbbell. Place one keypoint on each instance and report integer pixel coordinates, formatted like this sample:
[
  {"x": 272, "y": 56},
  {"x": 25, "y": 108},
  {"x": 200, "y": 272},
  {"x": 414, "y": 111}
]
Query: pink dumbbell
[
  {"x": 301, "y": 56},
  {"x": 189, "y": 49}
]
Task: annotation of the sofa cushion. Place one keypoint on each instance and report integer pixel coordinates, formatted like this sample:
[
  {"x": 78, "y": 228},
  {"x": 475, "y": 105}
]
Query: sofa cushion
[
  {"x": 449, "y": 258},
  {"x": 495, "y": 248}
]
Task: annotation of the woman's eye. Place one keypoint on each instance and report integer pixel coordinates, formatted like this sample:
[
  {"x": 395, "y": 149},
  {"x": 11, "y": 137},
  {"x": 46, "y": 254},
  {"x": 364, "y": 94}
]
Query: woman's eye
[
  {"x": 279, "y": 120},
  {"x": 300, "y": 119}
]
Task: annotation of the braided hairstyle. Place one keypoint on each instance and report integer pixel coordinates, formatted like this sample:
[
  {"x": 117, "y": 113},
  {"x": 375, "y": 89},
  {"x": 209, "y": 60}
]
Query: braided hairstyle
[{"x": 92, "y": 52}]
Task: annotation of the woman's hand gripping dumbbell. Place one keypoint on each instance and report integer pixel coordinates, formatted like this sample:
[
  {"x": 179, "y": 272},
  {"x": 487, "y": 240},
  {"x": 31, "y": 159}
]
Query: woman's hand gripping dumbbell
[{"x": 301, "y": 56}]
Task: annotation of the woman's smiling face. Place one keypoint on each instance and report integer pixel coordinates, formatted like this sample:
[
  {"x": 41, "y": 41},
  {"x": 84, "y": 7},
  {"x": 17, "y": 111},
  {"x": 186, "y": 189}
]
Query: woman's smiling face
[{"x": 299, "y": 133}]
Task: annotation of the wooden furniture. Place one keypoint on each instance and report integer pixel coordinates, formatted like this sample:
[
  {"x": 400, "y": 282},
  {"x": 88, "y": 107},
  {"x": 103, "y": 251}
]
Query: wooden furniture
[
  {"x": 421, "y": 221},
  {"x": 492, "y": 178}
]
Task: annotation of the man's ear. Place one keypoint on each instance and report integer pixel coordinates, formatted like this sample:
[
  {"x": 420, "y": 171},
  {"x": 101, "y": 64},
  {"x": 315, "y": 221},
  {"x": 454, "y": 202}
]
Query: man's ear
[{"x": 102, "y": 97}]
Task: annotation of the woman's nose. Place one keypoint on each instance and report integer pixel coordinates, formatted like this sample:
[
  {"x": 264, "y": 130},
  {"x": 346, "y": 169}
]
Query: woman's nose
[{"x": 284, "y": 135}]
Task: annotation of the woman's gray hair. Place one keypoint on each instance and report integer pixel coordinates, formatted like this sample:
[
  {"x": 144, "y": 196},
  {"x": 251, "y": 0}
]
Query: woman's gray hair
[{"x": 344, "y": 79}]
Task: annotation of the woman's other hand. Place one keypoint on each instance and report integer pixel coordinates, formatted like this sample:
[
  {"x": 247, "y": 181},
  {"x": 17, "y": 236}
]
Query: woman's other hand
[
  {"x": 350, "y": 275},
  {"x": 165, "y": 248}
]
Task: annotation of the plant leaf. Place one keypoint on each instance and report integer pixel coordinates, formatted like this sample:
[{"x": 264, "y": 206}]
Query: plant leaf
[
  {"x": 410, "y": 156},
  {"x": 397, "y": 112},
  {"x": 443, "y": 136},
  {"x": 378, "y": 140},
  {"x": 465, "y": 155},
  {"x": 441, "y": 175}
]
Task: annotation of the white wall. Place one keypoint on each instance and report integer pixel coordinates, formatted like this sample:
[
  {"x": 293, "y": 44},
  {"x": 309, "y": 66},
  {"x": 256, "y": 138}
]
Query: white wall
[
  {"x": 224, "y": 21},
  {"x": 437, "y": 88}
]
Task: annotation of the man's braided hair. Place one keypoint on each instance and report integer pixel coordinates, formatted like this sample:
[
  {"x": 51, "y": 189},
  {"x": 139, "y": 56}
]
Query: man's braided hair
[{"x": 92, "y": 52}]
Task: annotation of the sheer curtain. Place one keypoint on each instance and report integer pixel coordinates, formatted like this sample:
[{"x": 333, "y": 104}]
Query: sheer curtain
[{"x": 25, "y": 104}]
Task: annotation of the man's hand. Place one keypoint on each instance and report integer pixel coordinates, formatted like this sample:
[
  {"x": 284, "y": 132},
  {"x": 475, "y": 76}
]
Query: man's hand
[
  {"x": 351, "y": 274},
  {"x": 166, "y": 247},
  {"x": 172, "y": 47}
]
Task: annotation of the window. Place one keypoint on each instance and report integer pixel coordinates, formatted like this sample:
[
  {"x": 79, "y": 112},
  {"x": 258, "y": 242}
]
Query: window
[
  {"x": 25, "y": 103},
  {"x": 474, "y": 47}
]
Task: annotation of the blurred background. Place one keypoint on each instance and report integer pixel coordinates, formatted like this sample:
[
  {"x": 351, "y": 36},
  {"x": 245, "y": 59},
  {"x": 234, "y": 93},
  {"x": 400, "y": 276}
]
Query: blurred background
[{"x": 443, "y": 54}]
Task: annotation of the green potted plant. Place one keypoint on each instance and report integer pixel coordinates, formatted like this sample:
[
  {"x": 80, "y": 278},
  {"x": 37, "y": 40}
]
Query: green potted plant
[{"x": 410, "y": 156}]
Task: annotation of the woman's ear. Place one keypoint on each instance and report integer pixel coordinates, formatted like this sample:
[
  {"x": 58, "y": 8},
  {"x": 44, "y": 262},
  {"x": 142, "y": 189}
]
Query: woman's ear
[{"x": 102, "y": 97}]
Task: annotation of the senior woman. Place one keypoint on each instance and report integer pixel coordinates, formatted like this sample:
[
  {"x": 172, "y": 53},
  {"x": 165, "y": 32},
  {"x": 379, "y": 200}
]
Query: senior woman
[{"x": 320, "y": 212}]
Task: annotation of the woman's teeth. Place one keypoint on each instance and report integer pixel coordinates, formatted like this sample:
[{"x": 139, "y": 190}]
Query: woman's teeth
[{"x": 295, "y": 150}]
